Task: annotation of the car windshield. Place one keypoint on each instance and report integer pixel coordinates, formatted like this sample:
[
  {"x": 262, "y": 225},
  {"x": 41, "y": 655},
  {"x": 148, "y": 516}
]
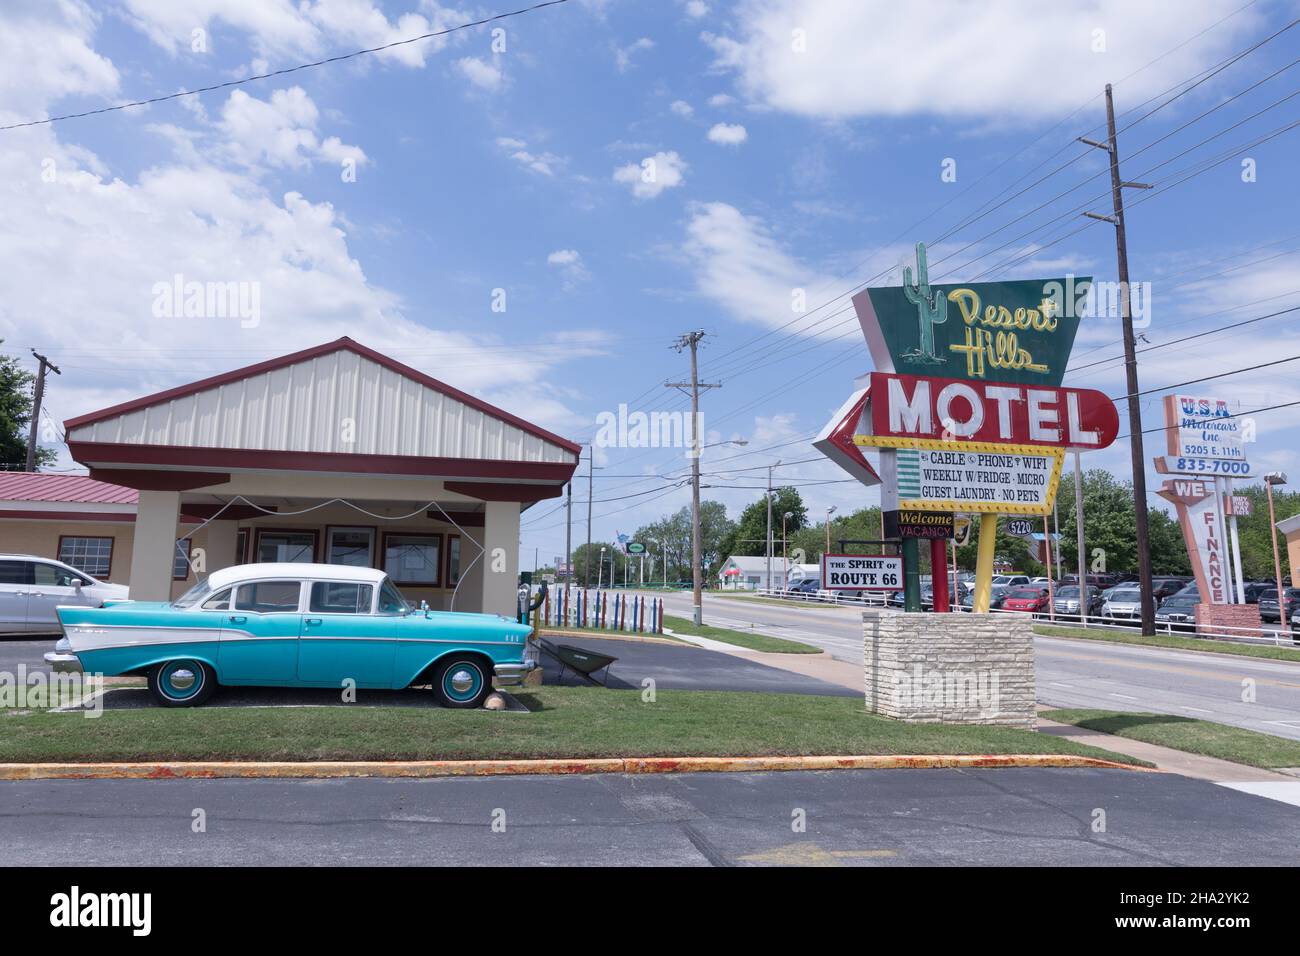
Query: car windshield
[
  {"x": 194, "y": 595},
  {"x": 1179, "y": 602},
  {"x": 1125, "y": 595},
  {"x": 1024, "y": 593},
  {"x": 1070, "y": 592}
]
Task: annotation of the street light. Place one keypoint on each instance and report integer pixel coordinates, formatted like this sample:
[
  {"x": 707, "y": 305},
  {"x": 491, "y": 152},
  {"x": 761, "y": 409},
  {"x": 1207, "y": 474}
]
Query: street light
[
  {"x": 697, "y": 567},
  {"x": 829, "y": 511},
  {"x": 785, "y": 563},
  {"x": 768, "y": 549},
  {"x": 1271, "y": 479},
  {"x": 600, "y": 569}
]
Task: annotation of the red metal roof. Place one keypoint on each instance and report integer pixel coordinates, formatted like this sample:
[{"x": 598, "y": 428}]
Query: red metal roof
[{"x": 78, "y": 489}]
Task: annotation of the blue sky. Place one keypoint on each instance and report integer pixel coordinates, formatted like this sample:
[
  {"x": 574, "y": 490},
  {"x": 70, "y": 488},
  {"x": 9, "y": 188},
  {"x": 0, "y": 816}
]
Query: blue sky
[{"x": 797, "y": 144}]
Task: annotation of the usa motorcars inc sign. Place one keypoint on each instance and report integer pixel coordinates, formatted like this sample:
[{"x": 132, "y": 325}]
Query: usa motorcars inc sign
[{"x": 862, "y": 572}]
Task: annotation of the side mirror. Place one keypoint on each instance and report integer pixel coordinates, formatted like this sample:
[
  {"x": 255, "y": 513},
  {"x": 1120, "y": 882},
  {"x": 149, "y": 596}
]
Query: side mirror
[{"x": 76, "y": 584}]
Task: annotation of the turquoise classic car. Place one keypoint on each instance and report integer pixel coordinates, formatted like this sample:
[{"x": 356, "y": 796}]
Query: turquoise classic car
[{"x": 294, "y": 625}]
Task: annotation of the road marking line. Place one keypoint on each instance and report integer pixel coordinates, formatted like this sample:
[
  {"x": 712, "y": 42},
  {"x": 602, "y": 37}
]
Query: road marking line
[{"x": 1124, "y": 696}]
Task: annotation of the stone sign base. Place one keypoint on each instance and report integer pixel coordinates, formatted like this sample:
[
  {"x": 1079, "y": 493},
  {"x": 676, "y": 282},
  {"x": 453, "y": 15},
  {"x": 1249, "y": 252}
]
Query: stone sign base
[
  {"x": 1215, "y": 618},
  {"x": 950, "y": 668}
]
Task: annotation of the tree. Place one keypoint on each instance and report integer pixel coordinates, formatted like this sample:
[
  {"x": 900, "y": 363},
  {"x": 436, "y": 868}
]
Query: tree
[
  {"x": 1253, "y": 531},
  {"x": 16, "y": 416},
  {"x": 750, "y": 532},
  {"x": 1108, "y": 521},
  {"x": 588, "y": 555},
  {"x": 673, "y": 533}
]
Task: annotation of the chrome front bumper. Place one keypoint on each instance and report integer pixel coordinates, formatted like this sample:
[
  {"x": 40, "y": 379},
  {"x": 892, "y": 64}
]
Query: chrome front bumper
[
  {"x": 513, "y": 675},
  {"x": 63, "y": 663}
]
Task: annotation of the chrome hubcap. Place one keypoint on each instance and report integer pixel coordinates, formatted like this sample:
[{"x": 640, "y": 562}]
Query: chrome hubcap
[
  {"x": 462, "y": 681},
  {"x": 182, "y": 678}
]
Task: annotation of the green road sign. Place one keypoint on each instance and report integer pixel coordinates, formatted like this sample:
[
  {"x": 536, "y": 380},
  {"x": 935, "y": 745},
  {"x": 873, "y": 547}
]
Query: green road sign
[{"x": 635, "y": 547}]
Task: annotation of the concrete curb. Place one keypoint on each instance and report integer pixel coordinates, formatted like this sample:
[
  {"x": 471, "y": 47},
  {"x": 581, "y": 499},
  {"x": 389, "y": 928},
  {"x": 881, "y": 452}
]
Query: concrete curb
[{"x": 165, "y": 770}]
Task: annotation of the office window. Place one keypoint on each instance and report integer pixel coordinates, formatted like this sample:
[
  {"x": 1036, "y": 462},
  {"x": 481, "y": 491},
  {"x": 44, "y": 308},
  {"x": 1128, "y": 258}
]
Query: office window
[
  {"x": 354, "y": 547},
  {"x": 93, "y": 556},
  {"x": 413, "y": 558},
  {"x": 282, "y": 546}
]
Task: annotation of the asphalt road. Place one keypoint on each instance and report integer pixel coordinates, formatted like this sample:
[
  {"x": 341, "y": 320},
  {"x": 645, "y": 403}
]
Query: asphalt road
[
  {"x": 1071, "y": 673},
  {"x": 853, "y": 818}
]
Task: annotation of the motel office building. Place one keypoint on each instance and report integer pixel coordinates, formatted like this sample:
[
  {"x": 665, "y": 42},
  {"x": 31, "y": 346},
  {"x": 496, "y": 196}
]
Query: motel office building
[{"x": 335, "y": 454}]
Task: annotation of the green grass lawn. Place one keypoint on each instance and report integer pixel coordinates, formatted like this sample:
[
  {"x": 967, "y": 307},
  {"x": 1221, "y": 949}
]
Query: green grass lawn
[
  {"x": 566, "y": 722},
  {"x": 1188, "y": 734},
  {"x": 749, "y": 639},
  {"x": 1170, "y": 640}
]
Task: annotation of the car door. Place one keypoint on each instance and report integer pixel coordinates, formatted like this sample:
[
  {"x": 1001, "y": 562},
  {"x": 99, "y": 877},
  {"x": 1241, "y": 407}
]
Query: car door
[
  {"x": 15, "y": 583},
  {"x": 259, "y": 633},
  {"x": 342, "y": 639},
  {"x": 52, "y": 586}
]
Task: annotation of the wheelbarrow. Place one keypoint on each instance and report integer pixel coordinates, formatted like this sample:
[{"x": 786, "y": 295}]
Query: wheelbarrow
[{"x": 583, "y": 662}]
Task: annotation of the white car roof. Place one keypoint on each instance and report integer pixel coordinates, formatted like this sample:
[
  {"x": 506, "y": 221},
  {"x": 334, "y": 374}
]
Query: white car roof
[{"x": 279, "y": 570}]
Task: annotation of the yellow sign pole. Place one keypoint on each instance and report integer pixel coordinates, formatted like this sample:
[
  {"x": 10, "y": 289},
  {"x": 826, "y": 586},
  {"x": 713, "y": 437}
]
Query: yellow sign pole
[{"x": 984, "y": 563}]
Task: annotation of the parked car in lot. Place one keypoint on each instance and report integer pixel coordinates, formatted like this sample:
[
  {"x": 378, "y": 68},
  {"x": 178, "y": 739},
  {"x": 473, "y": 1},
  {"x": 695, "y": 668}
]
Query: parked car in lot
[
  {"x": 1029, "y": 597},
  {"x": 1178, "y": 613},
  {"x": 1009, "y": 580},
  {"x": 1067, "y": 601},
  {"x": 1124, "y": 603},
  {"x": 1268, "y": 605},
  {"x": 294, "y": 625},
  {"x": 1163, "y": 588},
  {"x": 32, "y": 587}
]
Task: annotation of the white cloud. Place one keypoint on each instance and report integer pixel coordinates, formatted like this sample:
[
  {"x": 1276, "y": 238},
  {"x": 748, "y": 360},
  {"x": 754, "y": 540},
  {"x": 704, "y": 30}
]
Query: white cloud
[
  {"x": 623, "y": 55},
  {"x": 695, "y": 9},
  {"x": 728, "y": 134},
  {"x": 86, "y": 247},
  {"x": 682, "y": 108},
  {"x": 992, "y": 62},
  {"x": 741, "y": 266},
  {"x": 653, "y": 175},
  {"x": 45, "y": 54},
  {"x": 721, "y": 99},
  {"x": 280, "y": 28},
  {"x": 279, "y": 132},
  {"x": 571, "y": 266},
  {"x": 545, "y": 163},
  {"x": 485, "y": 74}
]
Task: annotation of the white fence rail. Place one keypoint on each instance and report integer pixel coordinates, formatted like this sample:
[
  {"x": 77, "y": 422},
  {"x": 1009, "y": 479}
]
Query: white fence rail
[{"x": 1276, "y": 636}]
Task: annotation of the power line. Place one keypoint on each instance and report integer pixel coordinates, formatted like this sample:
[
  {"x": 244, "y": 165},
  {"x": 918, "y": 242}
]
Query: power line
[{"x": 287, "y": 70}]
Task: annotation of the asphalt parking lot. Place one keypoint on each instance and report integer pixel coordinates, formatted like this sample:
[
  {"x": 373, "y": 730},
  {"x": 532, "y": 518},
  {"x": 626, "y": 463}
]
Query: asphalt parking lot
[{"x": 1003, "y": 817}]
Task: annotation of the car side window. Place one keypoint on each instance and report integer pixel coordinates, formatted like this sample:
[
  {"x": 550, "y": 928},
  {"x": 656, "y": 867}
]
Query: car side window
[
  {"x": 219, "y": 601},
  {"x": 268, "y": 597},
  {"x": 15, "y": 572},
  {"x": 334, "y": 597},
  {"x": 52, "y": 576}
]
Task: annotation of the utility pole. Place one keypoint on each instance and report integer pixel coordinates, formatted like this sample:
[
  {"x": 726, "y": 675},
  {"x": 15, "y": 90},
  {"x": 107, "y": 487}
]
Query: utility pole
[
  {"x": 37, "y": 399},
  {"x": 568, "y": 536},
  {"x": 691, "y": 340},
  {"x": 1078, "y": 527},
  {"x": 591, "y": 468},
  {"x": 1117, "y": 186}
]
